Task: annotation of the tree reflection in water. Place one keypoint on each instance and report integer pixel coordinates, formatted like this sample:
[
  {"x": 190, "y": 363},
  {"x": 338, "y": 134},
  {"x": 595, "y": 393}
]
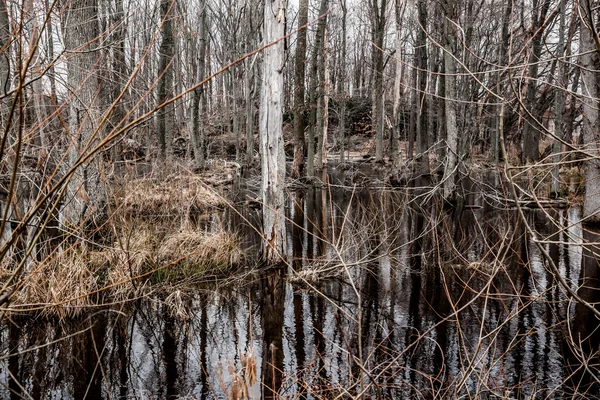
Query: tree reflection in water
[{"x": 423, "y": 303}]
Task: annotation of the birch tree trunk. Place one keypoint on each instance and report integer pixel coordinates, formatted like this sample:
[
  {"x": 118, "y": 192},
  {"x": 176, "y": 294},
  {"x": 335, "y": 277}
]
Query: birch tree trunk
[
  {"x": 85, "y": 195},
  {"x": 271, "y": 133}
]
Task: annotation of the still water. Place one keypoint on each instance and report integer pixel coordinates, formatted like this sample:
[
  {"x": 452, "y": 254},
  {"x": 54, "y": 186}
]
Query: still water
[{"x": 386, "y": 295}]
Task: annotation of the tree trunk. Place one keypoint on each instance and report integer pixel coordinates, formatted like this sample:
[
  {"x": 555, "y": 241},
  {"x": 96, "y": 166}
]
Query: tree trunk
[
  {"x": 450, "y": 94},
  {"x": 85, "y": 197},
  {"x": 271, "y": 134},
  {"x": 50, "y": 40},
  {"x": 590, "y": 62},
  {"x": 378, "y": 33},
  {"x": 299, "y": 93},
  {"x": 342, "y": 85},
  {"x": 314, "y": 88},
  {"x": 503, "y": 56},
  {"x": 324, "y": 107},
  {"x": 560, "y": 101},
  {"x": 422, "y": 123},
  {"x": 165, "y": 83},
  {"x": 250, "y": 79},
  {"x": 236, "y": 112},
  {"x": 119, "y": 72},
  {"x": 198, "y": 65},
  {"x": 4, "y": 61},
  {"x": 531, "y": 135},
  {"x": 395, "y": 135}
]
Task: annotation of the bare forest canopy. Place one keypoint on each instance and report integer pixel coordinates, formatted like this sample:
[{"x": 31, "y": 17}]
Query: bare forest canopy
[{"x": 424, "y": 86}]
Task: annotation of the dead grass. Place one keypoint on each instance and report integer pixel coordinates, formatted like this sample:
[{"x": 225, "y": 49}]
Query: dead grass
[
  {"x": 197, "y": 248},
  {"x": 176, "y": 194},
  {"x": 151, "y": 245},
  {"x": 133, "y": 267}
]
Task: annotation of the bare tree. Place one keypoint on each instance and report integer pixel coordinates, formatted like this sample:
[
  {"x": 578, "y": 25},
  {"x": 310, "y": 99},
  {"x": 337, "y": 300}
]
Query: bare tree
[
  {"x": 86, "y": 193},
  {"x": 314, "y": 93},
  {"x": 342, "y": 95},
  {"x": 198, "y": 71},
  {"x": 449, "y": 8},
  {"x": 531, "y": 135},
  {"x": 590, "y": 62},
  {"x": 562, "y": 74},
  {"x": 299, "y": 92},
  {"x": 399, "y": 8},
  {"x": 165, "y": 118},
  {"x": 378, "y": 28},
  {"x": 4, "y": 58},
  {"x": 271, "y": 133},
  {"x": 422, "y": 102}
]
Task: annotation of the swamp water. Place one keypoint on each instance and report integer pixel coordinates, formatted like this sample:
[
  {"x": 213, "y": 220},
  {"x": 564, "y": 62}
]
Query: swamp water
[{"x": 393, "y": 297}]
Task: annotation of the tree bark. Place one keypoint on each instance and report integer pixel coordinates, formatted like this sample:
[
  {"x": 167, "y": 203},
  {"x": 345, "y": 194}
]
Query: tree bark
[
  {"x": 531, "y": 135},
  {"x": 299, "y": 93},
  {"x": 422, "y": 123},
  {"x": 165, "y": 83},
  {"x": 119, "y": 71},
  {"x": 85, "y": 196},
  {"x": 198, "y": 66},
  {"x": 4, "y": 60},
  {"x": 342, "y": 85},
  {"x": 378, "y": 33},
  {"x": 324, "y": 105},
  {"x": 590, "y": 62},
  {"x": 450, "y": 94},
  {"x": 314, "y": 88},
  {"x": 271, "y": 134},
  {"x": 50, "y": 39},
  {"x": 395, "y": 135},
  {"x": 250, "y": 80},
  {"x": 560, "y": 100}
]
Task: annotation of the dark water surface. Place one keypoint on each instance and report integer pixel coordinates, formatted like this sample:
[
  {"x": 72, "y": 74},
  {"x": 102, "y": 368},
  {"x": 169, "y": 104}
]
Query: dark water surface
[{"x": 392, "y": 295}]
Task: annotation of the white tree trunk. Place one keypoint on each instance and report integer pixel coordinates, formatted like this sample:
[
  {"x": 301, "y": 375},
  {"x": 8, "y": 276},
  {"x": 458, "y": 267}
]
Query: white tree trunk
[
  {"x": 271, "y": 133},
  {"x": 590, "y": 125}
]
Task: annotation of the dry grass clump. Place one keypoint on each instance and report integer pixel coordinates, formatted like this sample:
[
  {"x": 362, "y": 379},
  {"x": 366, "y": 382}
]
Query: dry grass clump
[
  {"x": 194, "y": 247},
  {"x": 171, "y": 195},
  {"x": 68, "y": 283},
  {"x": 192, "y": 253},
  {"x": 62, "y": 285}
]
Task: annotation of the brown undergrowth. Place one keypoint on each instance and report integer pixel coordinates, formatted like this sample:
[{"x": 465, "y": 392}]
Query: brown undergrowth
[
  {"x": 150, "y": 245},
  {"x": 165, "y": 195}
]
